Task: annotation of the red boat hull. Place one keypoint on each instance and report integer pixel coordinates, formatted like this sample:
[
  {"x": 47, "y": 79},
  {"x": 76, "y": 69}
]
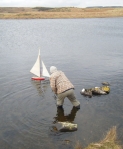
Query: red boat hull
[{"x": 38, "y": 78}]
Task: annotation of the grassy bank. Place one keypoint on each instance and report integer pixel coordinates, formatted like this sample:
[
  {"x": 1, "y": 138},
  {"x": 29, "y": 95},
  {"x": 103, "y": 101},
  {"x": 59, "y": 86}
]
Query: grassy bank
[
  {"x": 109, "y": 142},
  {"x": 55, "y": 13}
]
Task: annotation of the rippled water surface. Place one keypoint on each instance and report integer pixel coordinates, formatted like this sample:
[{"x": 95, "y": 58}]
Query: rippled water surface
[{"x": 89, "y": 51}]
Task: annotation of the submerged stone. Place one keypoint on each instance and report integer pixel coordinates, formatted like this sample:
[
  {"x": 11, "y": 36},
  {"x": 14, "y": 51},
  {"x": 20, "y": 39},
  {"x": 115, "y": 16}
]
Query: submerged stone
[
  {"x": 86, "y": 92},
  {"x": 105, "y": 83},
  {"x": 95, "y": 91},
  {"x": 65, "y": 127}
]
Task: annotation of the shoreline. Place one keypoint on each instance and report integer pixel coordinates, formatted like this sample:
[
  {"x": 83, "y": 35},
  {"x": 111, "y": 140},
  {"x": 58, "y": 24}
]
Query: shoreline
[{"x": 59, "y": 13}]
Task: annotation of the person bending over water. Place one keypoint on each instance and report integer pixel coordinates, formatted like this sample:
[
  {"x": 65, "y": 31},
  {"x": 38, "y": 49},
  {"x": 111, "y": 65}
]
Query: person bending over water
[{"x": 62, "y": 87}]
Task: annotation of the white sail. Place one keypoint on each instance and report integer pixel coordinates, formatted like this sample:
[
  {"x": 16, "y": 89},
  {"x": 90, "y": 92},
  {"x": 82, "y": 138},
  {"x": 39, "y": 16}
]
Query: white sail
[
  {"x": 39, "y": 69},
  {"x": 45, "y": 72},
  {"x": 36, "y": 69}
]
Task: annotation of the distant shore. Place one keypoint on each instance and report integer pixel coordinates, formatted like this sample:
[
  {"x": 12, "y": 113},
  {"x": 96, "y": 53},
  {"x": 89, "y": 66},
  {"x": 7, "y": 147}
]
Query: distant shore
[{"x": 59, "y": 13}]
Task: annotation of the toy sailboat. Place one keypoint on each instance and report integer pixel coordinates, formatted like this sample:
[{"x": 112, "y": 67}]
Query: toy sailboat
[{"x": 39, "y": 69}]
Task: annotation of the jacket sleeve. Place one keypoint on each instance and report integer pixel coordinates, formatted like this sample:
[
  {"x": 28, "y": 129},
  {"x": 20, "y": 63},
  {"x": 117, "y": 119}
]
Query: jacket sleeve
[{"x": 53, "y": 85}]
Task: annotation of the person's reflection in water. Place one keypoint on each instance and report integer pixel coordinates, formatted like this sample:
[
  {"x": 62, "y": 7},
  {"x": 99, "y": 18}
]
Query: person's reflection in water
[{"x": 60, "y": 117}]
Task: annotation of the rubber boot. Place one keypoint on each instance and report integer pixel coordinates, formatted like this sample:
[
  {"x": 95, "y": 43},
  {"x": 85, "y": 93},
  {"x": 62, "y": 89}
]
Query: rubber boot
[
  {"x": 78, "y": 107},
  {"x": 59, "y": 106}
]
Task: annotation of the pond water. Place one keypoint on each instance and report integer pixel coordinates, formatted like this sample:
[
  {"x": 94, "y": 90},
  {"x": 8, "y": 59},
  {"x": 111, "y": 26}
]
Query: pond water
[{"x": 89, "y": 51}]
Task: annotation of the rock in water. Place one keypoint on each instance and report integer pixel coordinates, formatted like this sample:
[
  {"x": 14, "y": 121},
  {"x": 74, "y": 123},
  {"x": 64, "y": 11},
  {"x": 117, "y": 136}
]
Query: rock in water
[
  {"x": 105, "y": 89},
  {"x": 98, "y": 91},
  {"x": 86, "y": 92},
  {"x": 66, "y": 127},
  {"x": 105, "y": 83}
]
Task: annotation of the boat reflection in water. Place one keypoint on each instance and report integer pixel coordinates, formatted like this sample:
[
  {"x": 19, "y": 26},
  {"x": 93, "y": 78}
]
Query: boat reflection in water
[
  {"x": 41, "y": 86},
  {"x": 64, "y": 123}
]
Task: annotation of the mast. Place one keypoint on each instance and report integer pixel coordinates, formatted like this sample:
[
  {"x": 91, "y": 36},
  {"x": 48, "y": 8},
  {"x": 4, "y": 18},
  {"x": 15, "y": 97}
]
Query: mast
[{"x": 40, "y": 62}]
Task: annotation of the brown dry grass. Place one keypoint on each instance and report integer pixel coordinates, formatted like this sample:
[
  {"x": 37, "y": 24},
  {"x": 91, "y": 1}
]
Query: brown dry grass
[
  {"x": 54, "y": 13},
  {"x": 109, "y": 142}
]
